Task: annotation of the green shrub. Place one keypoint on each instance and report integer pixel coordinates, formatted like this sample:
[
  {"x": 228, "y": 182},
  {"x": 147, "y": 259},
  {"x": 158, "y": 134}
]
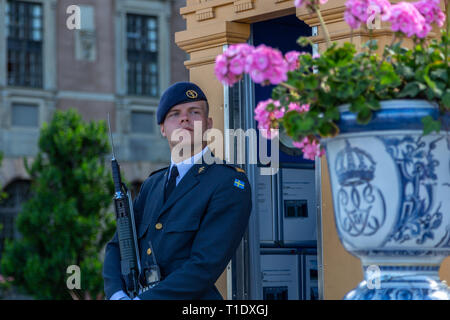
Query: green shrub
[{"x": 67, "y": 220}]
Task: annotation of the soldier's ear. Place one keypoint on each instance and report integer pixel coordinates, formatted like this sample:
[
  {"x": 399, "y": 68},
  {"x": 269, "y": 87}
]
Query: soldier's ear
[
  {"x": 161, "y": 127},
  {"x": 209, "y": 123}
]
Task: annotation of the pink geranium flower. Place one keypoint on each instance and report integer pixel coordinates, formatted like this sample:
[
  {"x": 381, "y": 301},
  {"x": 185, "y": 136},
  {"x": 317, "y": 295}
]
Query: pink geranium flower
[
  {"x": 292, "y": 60},
  {"x": 310, "y": 148},
  {"x": 263, "y": 64},
  {"x": 293, "y": 106},
  {"x": 231, "y": 65},
  {"x": 355, "y": 13},
  {"x": 407, "y": 19},
  {"x": 359, "y": 11},
  {"x": 267, "y": 118},
  {"x": 266, "y": 64},
  {"x": 431, "y": 11}
]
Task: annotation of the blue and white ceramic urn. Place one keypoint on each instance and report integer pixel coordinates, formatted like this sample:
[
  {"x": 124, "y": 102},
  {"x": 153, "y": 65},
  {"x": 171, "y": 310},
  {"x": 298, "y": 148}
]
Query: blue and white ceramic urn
[{"x": 391, "y": 196}]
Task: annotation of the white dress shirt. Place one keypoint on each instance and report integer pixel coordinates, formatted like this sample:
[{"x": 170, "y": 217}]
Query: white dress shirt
[{"x": 184, "y": 166}]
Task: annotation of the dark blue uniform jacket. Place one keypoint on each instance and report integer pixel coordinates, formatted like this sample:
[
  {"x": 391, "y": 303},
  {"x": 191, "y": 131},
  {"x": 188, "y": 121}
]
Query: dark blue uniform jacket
[{"x": 194, "y": 234}]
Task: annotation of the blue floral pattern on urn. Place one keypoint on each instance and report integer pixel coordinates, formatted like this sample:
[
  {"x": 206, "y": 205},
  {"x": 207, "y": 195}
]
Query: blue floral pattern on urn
[
  {"x": 420, "y": 215},
  {"x": 391, "y": 188}
]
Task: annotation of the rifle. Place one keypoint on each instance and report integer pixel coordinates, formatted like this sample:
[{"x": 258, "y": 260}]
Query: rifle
[{"x": 126, "y": 229}]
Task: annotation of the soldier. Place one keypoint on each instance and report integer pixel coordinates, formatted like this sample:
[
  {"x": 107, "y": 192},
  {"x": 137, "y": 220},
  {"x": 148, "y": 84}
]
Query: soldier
[{"x": 191, "y": 216}]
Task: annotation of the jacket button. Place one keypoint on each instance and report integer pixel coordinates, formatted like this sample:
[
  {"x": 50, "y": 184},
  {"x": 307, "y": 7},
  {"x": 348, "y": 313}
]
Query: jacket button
[
  {"x": 158, "y": 226},
  {"x": 149, "y": 251}
]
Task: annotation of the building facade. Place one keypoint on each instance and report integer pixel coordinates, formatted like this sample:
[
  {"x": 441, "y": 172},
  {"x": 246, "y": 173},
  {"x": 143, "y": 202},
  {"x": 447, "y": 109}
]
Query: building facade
[
  {"x": 99, "y": 57},
  {"x": 125, "y": 53}
]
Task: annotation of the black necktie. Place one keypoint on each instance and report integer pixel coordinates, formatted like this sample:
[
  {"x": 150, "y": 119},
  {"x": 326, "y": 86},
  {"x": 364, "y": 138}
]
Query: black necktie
[{"x": 171, "y": 183}]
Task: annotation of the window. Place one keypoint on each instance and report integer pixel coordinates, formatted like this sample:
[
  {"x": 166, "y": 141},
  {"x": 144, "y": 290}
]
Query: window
[
  {"x": 24, "y": 115},
  {"x": 24, "y": 28},
  {"x": 86, "y": 38},
  {"x": 17, "y": 192},
  {"x": 143, "y": 122},
  {"x": 142, "y": 55}
]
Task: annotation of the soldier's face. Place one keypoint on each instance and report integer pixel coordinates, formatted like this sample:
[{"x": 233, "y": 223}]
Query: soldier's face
[{"x": 180, "y": 122}]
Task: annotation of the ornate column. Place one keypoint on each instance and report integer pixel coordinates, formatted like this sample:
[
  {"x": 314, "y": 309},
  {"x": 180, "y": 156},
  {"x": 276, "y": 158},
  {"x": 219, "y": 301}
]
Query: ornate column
[
  {"x": 204, "y": 44},
  {"x": 203, "y": 41}
]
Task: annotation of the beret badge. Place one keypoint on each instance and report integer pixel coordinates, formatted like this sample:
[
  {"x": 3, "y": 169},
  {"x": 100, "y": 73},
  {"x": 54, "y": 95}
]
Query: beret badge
[{"x": 192, "y": 94}]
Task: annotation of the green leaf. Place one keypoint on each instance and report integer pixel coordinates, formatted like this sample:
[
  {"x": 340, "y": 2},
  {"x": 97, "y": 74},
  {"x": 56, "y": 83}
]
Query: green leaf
[
  {"x": 434, "y": 86},
  {"x": 373, "y": 104},
  {"x": 332, "y": 113},
  {"x": 358, "y": 105},
  {"x": 420, "y": 56},
  {"x": 446, "y": 99},
  {"x": 304, "y": 41},
  {"x": 406, "y": 71},
  {"x": 371, "y": 44},
  {"x": 390, "y": 79},
  {"x": 311, "y": 83},
  {"x": 440, "y": 74},
  {"x": 430, "y": 94},
  {"x": 429, "y": 82},
  {"x": 364, "y": 116},
  {"x": 396, "y": 47},
  {"x": 412, "y": 89},
  {"x": 328, "y": 129},
  {"x": 430, "y": 125},
  {"x": 305, "y": 125},
  {"x": 345, "y": 90}
]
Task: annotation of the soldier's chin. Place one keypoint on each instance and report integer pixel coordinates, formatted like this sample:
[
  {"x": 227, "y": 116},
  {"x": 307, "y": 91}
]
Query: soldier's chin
[
  {"x": 185, "y": 150},
  {"x": 181, "y": 132}
]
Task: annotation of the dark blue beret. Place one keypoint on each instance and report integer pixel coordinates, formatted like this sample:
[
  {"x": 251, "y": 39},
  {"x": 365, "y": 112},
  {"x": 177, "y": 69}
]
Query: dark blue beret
[{"x": 178, "y": 93}]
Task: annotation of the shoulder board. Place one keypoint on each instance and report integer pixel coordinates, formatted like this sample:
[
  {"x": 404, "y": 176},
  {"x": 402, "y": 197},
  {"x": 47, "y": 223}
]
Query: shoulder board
[
  {"x": 236, "y": 168},
  {"x": 165, "y": 168}
]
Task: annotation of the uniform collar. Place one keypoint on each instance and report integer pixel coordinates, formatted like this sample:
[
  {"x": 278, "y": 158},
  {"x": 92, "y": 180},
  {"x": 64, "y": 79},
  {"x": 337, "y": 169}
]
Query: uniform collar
[{"x": 184, "y": 166}]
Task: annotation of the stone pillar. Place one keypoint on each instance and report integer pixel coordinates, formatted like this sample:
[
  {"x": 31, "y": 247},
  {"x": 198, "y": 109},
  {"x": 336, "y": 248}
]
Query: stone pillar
[{"x": 204, "y": 44}]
